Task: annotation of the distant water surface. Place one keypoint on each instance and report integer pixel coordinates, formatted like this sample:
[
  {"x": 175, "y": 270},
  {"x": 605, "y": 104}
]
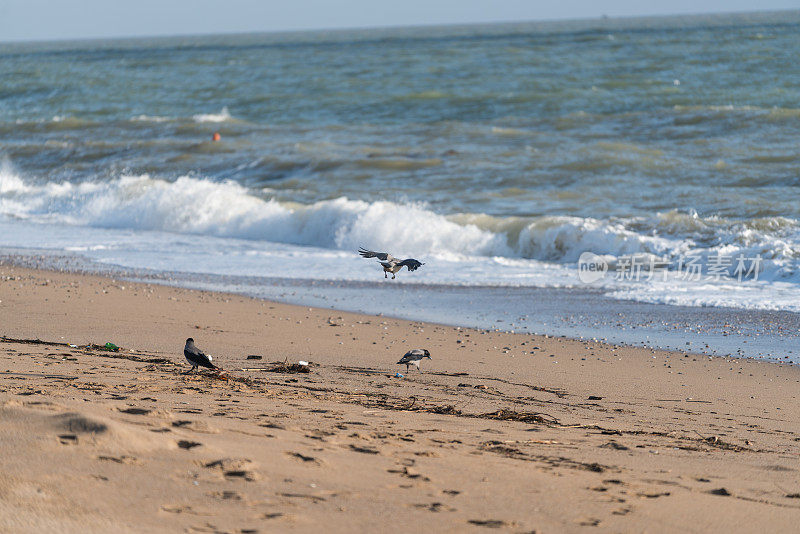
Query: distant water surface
[{"x": 496, "y": 154}]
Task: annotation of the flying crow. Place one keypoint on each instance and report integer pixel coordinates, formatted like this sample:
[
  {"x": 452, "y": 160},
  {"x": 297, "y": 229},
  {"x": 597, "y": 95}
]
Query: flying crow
[{"x": 389, "y": 263}]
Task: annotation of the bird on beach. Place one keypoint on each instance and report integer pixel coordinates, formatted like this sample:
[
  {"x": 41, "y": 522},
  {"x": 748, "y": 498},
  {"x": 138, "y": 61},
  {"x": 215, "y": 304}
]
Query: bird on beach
[
  {"x": 413, "y": 357},
  {"x": 389, "y": 263},
  {"x": 196, "y": 357}
]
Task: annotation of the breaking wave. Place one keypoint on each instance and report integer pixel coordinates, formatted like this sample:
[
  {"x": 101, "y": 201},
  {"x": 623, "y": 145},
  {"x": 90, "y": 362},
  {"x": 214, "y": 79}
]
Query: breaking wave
[
  {"x": 222, "y": 116},
  {"x": 226, "y": 209}
]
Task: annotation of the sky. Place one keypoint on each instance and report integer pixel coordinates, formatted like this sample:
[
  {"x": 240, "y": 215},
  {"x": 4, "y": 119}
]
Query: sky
[{"x": 34, "y": 20}]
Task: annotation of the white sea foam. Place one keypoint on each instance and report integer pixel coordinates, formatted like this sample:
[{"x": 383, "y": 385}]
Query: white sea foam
[
  {"x": 149, "y": 118},
  {"x": 10, "y": 181},
  {"x": 222, "y": 116},
  {"x": 226, "y": 209}
]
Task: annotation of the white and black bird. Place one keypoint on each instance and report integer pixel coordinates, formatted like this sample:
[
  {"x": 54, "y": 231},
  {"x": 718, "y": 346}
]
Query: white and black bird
[
  {"x": 389, "y": 263},
  {"x": 196, "y": 357},
  {"x": 413, "y": 357}
]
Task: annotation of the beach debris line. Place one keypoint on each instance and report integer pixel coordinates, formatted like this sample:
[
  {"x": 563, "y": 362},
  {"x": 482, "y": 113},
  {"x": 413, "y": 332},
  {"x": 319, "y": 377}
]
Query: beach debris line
[
  {"x": 523, "y": 417},
  {"x": 716, "y": 441},
  {"x": 389, "y": 263},
  {"x": 89, "y": 348},
  {"x": 108, "y": 347},
  {"x": 414, "y": 357},
  {"x": 301, "y": 366},
  {"x": 721, "y": 492},
  {"x": 505, "y": 414}
]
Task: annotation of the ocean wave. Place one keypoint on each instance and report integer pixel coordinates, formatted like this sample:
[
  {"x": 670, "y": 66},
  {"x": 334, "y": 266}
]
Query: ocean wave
[
  {"x": 222, "y": 116},
  {"x": 150, "y": 118},
  {"x": 773, "y": 113},
  {"x": 56, "y": 123},
  {"x": 227, "y": 209},
  {"x": 10, "y": 182}
]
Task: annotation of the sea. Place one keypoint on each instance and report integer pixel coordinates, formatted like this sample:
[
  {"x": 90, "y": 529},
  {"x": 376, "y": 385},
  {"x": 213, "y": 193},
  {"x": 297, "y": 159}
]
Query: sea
[{"x": 635, "y": 180}]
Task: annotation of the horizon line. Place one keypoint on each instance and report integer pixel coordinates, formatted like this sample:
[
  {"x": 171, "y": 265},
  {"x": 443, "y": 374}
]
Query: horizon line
[{"x": 343, "y": 29}]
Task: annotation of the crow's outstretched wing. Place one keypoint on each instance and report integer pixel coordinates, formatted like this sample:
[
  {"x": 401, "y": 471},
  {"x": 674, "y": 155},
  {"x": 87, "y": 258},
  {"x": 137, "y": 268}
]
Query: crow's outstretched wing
[
  {"x": 383, "y": 256},
  {"x": 411, "y": 263}
]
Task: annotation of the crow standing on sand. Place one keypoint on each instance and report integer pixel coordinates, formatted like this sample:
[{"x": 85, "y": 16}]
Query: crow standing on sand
[
  {"x": 389, "y": 263},
  {"x": 413, "y": 357},
  {"x": 196, "y": 357}
]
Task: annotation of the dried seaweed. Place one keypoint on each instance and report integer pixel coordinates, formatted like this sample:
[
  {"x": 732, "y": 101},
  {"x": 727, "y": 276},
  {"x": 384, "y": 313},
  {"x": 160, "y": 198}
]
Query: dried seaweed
[
  {"x": 91, "y": 347},
  {"x": 288, "y": 368},
  {"x": 448, "y": 409},
  {"x": 524, "y": 417},
  {"x": 715, "y": 441},
  {"x": 5, "y": 339}
]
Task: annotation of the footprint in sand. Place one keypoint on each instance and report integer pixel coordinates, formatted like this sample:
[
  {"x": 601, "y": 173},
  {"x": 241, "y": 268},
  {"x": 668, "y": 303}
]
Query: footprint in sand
[
  {"x": 81, "y": 424},
  {"x": 273, "y": 425},
  {"x": 124, "y": 459},
  {"x": 183, "y": 509},
  {"x": 654, "y": 495},
  {"x": 68, "y": 439},
  {"x": 136, "y": 411},
  {"x": 435, "y": 507},
  {"x": 303, "y": 458},
  {"x": 195, "y": 426},
  {"x": 226, "y": 495},
  {"x": 614, "y": 445},
  {"x": 314, "y": 498},
  {"x": 187, "y": 445},
  {"x": 364, "y": 450},
  {"x": 250, "y": 476},
  {"x": 490, "y": 523},
  {"x": 175, "y": 508},
  {"x": 409, "y": 472},
  {"x": 235, "y": 469}
]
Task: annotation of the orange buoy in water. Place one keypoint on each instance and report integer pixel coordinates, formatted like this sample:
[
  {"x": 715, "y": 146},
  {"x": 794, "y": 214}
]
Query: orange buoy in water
[{"x": 216, "y": 136}]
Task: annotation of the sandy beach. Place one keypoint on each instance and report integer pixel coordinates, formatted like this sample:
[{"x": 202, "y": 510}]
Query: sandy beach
[{"x": 499, "y": 431}]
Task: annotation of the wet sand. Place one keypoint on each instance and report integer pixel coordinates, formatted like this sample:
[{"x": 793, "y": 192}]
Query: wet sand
[{"x": 499, "y": 431}]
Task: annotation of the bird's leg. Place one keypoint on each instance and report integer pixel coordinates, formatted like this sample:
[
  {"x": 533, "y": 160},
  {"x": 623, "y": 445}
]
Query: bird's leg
[
  {"x": 393, "y": 276},
  {"x": 385, "y": 275},
  {"x": 190, "y": 370}
]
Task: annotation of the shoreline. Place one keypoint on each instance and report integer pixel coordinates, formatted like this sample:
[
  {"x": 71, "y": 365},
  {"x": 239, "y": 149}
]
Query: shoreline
[
  {"x": 573, "y": 313},
  {"x": 500, "y": 430}
]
